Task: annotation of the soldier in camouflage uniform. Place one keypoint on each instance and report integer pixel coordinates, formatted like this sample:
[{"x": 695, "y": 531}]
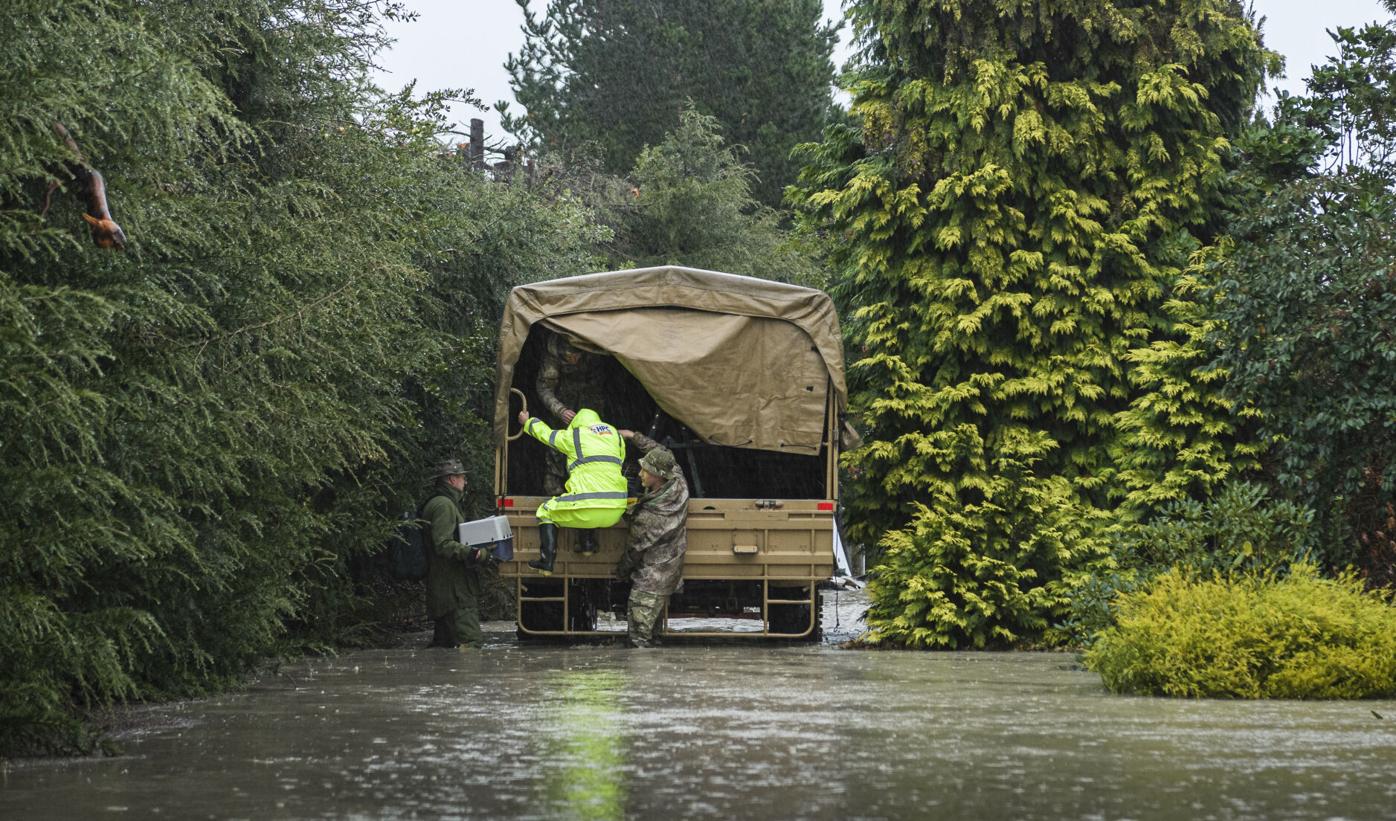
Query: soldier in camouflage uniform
[
  {"x": 453, "y": 569},
  {"x": 568, "y": 379},
  {"x": 653, "y": 559}
]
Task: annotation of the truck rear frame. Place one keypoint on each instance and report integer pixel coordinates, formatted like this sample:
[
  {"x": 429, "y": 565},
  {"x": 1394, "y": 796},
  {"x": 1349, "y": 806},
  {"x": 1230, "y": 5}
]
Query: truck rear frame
[{"x": 756, "y": 560}]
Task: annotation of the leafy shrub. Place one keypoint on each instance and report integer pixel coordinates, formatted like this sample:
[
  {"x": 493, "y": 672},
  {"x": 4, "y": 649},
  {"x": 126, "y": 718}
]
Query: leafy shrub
[
  {"x": 1239, "y": 529},
  {"x": 1093, "y": 597},
  {"x": 1251, "y": 636}
]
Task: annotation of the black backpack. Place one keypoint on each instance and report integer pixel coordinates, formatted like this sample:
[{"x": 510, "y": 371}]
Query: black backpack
[{"x": 408, "y": 549}]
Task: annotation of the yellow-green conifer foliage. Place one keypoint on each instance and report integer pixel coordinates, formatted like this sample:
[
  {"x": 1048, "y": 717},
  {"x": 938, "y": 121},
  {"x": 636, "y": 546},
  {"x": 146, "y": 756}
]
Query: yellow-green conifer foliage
[
  {"x": 1252, "y": 636},
  {"x": 1014, "y": 210}
]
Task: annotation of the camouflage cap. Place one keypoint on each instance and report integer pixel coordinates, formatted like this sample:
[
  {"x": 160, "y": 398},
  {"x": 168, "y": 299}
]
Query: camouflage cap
[
  {"x": 447, "y": 467},
  {"x": 660, "y": 462}
]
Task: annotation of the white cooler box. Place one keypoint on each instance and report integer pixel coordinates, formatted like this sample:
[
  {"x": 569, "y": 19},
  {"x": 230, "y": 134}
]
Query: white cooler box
[{"x": 492, "y": 533}]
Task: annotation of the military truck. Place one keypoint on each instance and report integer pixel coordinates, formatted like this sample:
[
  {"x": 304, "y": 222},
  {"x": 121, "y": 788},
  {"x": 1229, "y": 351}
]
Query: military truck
[{"x": 743, "y": 379}]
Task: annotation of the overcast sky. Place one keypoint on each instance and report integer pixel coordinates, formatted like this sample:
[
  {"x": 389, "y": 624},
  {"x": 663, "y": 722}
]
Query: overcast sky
[{"x": 463, "y": 43}]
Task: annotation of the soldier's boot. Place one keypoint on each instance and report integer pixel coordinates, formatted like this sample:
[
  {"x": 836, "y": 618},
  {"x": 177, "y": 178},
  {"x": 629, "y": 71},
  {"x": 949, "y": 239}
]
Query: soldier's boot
[
  {"x": 547, "y": 549},
  {"x": 586, "y": 542}
]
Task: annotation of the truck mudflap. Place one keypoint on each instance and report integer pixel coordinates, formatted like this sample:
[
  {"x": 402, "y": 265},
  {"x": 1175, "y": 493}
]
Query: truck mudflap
[{"x": 747, "y": 560}]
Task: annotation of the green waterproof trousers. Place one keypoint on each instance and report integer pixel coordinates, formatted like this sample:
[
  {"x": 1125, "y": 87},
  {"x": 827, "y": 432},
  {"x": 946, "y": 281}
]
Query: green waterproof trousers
[{"x": 460, "y": 626}]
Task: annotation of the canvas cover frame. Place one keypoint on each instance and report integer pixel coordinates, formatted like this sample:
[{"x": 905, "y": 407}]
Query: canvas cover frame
[{"x": 742, "y": 362}]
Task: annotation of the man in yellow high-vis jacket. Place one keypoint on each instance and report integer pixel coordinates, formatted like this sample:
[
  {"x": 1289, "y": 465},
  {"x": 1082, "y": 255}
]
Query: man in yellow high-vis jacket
[{"x": 595, "y": 494}]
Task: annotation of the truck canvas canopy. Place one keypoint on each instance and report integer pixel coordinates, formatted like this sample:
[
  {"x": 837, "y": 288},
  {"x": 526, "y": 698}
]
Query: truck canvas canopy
[{"x": 742, "y": 362}]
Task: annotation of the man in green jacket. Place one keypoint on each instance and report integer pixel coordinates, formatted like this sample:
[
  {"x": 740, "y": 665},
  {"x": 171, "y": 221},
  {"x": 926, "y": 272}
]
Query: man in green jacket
[
  {"x": 453, "y": 569},
  {"x": 596, "y": 491}
]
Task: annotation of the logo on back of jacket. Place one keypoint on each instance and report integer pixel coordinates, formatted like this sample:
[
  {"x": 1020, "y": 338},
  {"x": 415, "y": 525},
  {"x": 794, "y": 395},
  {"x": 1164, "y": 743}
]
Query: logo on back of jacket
[{"x": 600, "y": 430}]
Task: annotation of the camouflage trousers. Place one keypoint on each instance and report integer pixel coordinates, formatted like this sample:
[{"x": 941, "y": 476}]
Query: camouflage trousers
[
  {"x": 642, "y": 617},
  {"x": 554, "y": 474}
]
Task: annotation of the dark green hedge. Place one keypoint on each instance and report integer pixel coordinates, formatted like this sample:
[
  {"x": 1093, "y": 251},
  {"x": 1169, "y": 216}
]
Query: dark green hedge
[{"x": 198, "y": 435}]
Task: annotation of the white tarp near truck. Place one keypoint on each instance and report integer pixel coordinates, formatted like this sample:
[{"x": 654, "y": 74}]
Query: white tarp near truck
[{"x": 743, "y": 379}]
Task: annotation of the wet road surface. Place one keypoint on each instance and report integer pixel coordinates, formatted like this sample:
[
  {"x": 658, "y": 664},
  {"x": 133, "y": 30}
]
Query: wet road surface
[{"x": 717, "y": 731}]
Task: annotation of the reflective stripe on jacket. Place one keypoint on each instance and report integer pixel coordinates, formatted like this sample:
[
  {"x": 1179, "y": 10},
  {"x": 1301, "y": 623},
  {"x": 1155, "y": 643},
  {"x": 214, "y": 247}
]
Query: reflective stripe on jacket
[{"x": 595, "y": 452}]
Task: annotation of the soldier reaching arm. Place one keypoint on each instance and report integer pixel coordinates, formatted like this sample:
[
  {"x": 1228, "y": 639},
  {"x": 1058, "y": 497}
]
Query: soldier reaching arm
[
  {"x": 569, "y": 378},
  {"x": 658, "y": 537}
]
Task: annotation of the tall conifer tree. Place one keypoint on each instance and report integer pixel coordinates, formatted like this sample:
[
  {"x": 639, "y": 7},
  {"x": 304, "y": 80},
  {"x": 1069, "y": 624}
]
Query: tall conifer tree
[
  {"x": 1026, "y": 185},
  {"x": 199, "y": 433},
  {"x": 617, "y": 74}
]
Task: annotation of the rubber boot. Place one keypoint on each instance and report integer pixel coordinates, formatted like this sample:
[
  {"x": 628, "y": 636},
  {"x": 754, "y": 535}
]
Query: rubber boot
[
  {"x": 586, "y": 542},
  {"x": 547, "y": 549}
]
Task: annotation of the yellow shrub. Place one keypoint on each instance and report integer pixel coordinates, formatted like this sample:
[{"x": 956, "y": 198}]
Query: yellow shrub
[{"x": 1302, "y": 636}]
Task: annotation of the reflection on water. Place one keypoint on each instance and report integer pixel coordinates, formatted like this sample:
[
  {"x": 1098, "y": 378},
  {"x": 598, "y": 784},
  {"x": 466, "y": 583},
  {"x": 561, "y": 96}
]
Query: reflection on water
[
  {"x": 718, "y": 731},
  {"x": 589, "y": 746}
]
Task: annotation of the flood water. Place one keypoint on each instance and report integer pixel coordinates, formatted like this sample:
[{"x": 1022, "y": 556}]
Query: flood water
[{"x": 718, "y": 731}]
